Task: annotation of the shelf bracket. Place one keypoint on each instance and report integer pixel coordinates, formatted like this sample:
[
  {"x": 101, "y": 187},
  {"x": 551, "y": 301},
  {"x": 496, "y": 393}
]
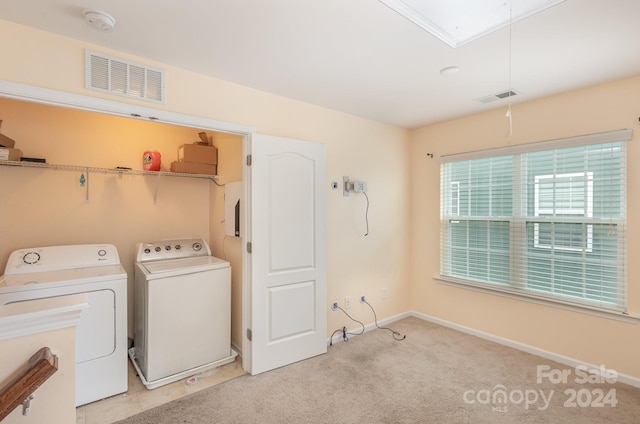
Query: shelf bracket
[
  {"x": 86, "y": 200},
  {"x": 155, "y": 195}
]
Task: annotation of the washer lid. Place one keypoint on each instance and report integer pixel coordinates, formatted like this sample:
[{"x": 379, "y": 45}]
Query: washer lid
[{"x": 185, "y": 265}]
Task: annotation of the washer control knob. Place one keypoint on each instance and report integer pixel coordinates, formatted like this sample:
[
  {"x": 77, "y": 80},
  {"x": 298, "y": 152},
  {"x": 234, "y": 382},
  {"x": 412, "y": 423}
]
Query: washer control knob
[
  {"x": 158, "y": 249},
  {"x": 197, "y": 246},
  {"x": 178, "y": 247},
  {"x": 147, "y": 251},
  {"x": 31, "y": 258},
  {"x": 102, "y": 252},
  {"x": 167, "y": 248}
]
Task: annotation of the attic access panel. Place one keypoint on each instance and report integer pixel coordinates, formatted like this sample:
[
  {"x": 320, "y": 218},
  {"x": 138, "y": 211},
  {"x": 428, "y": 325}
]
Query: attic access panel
[{"x": 457, "y": 22}]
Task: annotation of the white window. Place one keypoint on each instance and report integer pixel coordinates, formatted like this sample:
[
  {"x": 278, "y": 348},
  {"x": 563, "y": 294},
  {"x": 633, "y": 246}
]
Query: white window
[{"x": 544, "y": 220}]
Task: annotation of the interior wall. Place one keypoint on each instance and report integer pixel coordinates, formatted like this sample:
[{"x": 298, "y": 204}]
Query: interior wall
[
  {"x": 224, "y": 246},
  {"x": 360, "y": 148},
  {"x": 595, "y": 340},
  {"x": 54, "y": 400}
]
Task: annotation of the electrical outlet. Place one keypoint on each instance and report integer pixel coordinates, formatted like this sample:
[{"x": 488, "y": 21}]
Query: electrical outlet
[
  {"x": 384, "y": 293},
  {"x": 360, "y": 186},
  {"x": 362, "y": 299},
  {"x": 334, "y": 306},
  {"x": 347, "y": 302}
]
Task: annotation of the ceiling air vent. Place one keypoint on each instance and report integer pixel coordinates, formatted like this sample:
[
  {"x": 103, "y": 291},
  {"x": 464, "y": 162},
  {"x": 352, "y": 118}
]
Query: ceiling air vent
[
  {"x": 124, "y": 78},
  {"x": 497, "y": 96}
]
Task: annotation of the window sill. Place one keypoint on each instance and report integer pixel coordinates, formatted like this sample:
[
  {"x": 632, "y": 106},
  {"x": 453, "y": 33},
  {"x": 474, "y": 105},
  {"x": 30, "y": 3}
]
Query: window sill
[{"x": 511, "y": 294}]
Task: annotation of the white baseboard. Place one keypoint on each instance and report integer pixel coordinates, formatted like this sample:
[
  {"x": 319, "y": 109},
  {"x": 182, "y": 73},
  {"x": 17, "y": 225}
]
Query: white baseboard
[
  {"x": 235, "y": 347},
  {"x": 622, "y": 378}
]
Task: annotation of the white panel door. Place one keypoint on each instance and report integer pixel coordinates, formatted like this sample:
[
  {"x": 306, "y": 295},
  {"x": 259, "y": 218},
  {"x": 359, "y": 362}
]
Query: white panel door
[{"x": 288, "y": 259}]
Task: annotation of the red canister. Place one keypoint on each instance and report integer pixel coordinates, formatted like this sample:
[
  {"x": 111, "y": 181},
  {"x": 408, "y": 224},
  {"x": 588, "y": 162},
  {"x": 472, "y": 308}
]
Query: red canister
[{"x": 151, "y": 160}]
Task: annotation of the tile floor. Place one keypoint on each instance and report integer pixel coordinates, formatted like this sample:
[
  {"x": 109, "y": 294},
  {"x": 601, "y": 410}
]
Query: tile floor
[{"x": 138, "y": 398}]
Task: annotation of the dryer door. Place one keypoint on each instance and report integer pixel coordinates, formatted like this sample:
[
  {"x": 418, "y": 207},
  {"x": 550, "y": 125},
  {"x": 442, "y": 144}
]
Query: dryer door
[{"x": 96, "y": 332}]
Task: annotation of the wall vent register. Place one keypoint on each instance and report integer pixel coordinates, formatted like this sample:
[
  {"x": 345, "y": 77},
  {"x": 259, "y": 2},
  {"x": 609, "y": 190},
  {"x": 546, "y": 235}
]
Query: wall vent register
[{"x": 124, "y": 78}]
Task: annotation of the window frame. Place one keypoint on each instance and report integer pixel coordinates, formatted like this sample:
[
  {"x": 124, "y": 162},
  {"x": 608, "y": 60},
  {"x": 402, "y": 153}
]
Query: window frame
[{"x": 618, "y": 311}]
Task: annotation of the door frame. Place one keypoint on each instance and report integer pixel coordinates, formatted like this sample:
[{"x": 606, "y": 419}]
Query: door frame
[
  {"x": 18, "y": 91},
  {"x": 247, "y": 269}
]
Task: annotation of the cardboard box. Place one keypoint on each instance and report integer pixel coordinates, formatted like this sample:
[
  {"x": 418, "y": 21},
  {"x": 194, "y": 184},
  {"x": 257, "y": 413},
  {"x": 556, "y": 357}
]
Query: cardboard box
[
  {"x": 6, "y": 141},
  {"x": 194, "y": 168},
  {"x": 7, "y": 153},
  {"x": 198, "y": 153}
]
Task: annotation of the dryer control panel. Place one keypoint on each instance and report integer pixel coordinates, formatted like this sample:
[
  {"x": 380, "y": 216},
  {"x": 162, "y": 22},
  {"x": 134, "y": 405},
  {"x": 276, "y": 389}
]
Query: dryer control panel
[
  {"x": 55, "y": 258},
  {"x": 172, "y": 249}
]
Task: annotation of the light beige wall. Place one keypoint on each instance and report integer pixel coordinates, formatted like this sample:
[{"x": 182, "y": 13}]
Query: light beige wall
[
  {"x": 356, "y": 147},
  {"x": 54, "y": 400},
  {"x": 587, "y": 338},
  {"x": 227, "y": 247}
]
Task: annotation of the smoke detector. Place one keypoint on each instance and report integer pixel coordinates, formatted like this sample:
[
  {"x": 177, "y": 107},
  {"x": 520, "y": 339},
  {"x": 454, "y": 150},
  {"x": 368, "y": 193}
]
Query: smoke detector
[{"x": 99, "y": 19}]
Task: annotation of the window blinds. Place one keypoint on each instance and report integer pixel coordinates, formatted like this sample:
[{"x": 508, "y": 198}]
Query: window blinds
[{"x": 545, "y": 219}]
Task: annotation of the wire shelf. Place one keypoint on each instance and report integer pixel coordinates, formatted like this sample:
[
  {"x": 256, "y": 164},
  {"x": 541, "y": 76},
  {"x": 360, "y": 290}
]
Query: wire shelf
[
  {"x": 84, "y": 181},
  {"x": 122, "y": 171}
]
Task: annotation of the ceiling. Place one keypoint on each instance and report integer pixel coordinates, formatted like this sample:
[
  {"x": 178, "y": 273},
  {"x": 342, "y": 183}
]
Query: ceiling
[{"x": 359, "y": 56}]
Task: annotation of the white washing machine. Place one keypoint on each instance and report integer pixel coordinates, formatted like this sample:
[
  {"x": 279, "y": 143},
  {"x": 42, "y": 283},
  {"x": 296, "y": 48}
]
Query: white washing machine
[
  {"x": 182, "y": 299},
  {"x": 101, "y": 339}
]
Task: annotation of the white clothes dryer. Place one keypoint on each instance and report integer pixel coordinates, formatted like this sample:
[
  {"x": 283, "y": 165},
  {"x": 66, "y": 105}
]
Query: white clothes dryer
[
  {"x": 182, "y": 299},
  {"x": 101, "y": 337}
]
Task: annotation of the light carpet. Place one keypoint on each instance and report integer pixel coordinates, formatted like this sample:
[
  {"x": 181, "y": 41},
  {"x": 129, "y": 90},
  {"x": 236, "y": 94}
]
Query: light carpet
[{"x": 435, "y": 375}]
